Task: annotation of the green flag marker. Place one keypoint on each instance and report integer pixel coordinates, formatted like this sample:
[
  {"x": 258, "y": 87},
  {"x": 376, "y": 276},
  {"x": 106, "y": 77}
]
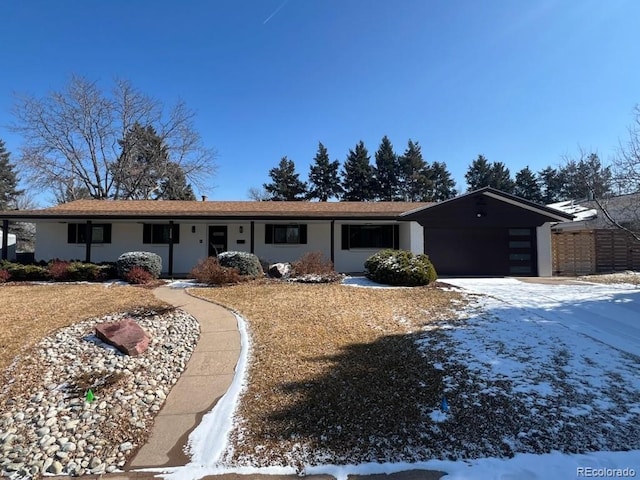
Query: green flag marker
[{"x": 90, "y": 396}]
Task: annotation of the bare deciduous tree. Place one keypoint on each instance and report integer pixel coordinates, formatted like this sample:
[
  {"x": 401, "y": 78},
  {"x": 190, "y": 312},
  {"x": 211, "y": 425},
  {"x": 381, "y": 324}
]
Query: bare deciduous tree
[{"x": 72, "y": 138}]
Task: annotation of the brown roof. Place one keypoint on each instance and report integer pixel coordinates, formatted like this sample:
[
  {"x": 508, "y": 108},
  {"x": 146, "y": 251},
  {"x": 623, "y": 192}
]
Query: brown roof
[{"x": 247, "y": 209}]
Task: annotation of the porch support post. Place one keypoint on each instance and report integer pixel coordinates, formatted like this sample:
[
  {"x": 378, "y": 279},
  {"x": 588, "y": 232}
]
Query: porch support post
[
  {"x": 5, "y": 239},
  {"x": 332, "y": 241},
  {"x": 171, "y": 248},
  {"x": 88, "y": 238},
  {"x": 253, "y": 231}
]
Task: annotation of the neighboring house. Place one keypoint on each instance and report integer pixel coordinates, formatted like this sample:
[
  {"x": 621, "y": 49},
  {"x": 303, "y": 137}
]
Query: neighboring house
[
  {"x": 10, "y": 246},
  {"x": 486, "y": 232},
  {"x": 591, "y": 243}
]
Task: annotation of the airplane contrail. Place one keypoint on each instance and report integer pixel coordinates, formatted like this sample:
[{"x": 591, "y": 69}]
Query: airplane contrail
[{"x": 275, "y": 11}]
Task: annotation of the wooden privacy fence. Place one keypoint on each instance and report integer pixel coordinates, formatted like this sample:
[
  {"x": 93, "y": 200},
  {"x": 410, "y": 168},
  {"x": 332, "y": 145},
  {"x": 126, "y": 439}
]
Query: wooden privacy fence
[{"x": 586, "y": 252}]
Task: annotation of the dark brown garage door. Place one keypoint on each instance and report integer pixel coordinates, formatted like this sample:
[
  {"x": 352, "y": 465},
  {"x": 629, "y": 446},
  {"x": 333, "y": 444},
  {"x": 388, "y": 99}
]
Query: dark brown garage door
[{"x": 483, "y": 252}]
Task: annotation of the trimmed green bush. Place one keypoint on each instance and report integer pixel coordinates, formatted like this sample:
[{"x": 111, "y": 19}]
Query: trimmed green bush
[
  {"x": 31, "y": 273},
  {"x": 246, "y": 263},
  {"x": 148, "y": 261},
  {"x": 400, "y": 267}
]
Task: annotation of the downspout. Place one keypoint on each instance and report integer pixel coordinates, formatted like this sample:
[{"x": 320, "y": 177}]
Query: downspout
[
  {"x": 88, "y": 238},
  {"x": 170, "y": 248},
  {"x": 252, "y": 241},
  {"x": 5, "y": 239},
  {"x": 332, "y": 243}
]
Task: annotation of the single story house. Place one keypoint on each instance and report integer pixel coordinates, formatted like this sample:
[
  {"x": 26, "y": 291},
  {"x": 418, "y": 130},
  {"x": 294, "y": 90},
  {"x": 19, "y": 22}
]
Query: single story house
[
  {"x": 10, "y": 246},
  {"x": 486, "y": 232}
]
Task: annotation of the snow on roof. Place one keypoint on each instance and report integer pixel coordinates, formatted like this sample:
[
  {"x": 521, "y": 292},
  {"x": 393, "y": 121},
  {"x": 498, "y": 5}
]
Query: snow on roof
[{"x": 580, "y": 212}]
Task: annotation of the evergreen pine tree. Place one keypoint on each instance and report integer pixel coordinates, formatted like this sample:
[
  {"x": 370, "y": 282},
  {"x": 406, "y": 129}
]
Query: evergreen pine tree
[
  {"x": 478, "y": 174},
  {"x": 501, "y": 177},
  {"x": 285, "y": 183},
  {"x": 8, "y": 180},
  {"x": 551, "y": 184},
  {"x": 442, "y": 183},
  {"x": 586, "y": 178},
  {"x": 357, "y": 175},
  {"x": 414, "y": 181},
  {"x": 527, "y": 185},
  {"x": 324, "y": 182},
  {"x": 386, "y": 171}
]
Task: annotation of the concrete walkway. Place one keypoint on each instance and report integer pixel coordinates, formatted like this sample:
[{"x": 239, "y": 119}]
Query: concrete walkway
[{"x": 207, "y": 377}]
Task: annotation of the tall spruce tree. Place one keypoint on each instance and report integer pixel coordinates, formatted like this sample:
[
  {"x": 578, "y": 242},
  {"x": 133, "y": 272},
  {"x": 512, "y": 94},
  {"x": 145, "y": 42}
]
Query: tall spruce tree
[
  {"x": 527, "y": 185},
  {"x": 324, "y": 182},
  {"x": 357, "y": 176},
  {"x": 442, "y": 183},
  {"x": 286, "y": 184},
  {"x": 482, "y": 173},
  {"x": 501, "y": 177},
  {"x": 386, "y": 171},
  {"x": 8, "y": 180},
  {"x": 479, "y": 173},
  {"x": 551, "y": 183},
  {"x": 585, "y": 178},
  {"x": 414, "y": 180}
]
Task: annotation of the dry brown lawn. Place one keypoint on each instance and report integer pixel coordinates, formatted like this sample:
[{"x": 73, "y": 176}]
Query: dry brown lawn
[
  {"x": 29, "y": 313},
  {"x": 620, "y": 277},
  {"x": 334, "y": 369}
]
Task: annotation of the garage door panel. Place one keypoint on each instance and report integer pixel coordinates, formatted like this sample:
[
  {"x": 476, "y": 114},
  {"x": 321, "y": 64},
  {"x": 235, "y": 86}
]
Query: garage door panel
[{"x": 488, "y": 251}]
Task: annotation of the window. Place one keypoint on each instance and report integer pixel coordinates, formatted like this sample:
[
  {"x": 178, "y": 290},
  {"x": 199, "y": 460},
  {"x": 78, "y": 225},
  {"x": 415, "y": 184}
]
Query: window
[
  {"x": 100, "y": 233},
  {"x": 370, "y": 236},
  {"x": 160, "y": 233},
  {"x": 285, "y": 234}
]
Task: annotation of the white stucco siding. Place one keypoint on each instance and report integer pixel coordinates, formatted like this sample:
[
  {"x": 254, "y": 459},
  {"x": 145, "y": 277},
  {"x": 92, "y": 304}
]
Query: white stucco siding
[
  {"x": 238, "y": 241},
  {"x": 412, "y": 237},
  {"x": 545, "y": 259},
  {"x": 51, "y": 242},
  {"x": 318, "y": 240}
]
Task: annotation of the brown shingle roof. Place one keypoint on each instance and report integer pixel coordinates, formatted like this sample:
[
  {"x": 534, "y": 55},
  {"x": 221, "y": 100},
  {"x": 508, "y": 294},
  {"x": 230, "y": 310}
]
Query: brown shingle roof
[{"x": 239, "y": 209}]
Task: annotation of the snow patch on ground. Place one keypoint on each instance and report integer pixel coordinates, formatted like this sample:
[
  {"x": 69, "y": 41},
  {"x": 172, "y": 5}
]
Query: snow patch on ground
[{"x": 365, "y": 282}]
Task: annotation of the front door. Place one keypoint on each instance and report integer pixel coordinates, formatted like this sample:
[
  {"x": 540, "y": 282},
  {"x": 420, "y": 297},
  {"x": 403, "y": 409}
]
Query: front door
[{"x": 217, "y": 239}]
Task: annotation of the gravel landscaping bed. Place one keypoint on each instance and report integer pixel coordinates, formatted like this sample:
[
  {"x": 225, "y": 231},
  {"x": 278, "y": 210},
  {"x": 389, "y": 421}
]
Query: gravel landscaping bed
[{"x": 46, "y": 424}]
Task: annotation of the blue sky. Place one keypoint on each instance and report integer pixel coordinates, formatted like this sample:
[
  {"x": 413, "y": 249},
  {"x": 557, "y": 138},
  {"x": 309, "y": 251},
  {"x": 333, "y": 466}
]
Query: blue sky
[{"x": 521, "y": 82}]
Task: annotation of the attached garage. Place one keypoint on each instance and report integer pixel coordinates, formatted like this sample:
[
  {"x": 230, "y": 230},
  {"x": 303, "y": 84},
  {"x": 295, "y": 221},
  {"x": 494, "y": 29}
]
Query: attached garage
[{"x": 488, "y": 233}]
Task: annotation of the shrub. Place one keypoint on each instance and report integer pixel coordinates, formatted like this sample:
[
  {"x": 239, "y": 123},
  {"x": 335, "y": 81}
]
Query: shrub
[
  {"x": 148, "y": 261},
  {"x": 210, "y": 271},
  {"x": 20, "y": 273},
  {"x": 4, "y": 276},
  {"x": 400, "y": 267},
  {"x": 86, "y": 272},
  {"x": 246, "y": 263},
  {"x": 312, "y": 263},
  {"x": 59, "y": 270},
  {"x": 313, "y": 268},
  {"x": 138, "y": 276}
]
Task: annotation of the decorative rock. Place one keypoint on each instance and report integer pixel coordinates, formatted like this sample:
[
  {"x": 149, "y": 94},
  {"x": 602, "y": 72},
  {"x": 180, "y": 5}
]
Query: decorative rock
[
  {"x": 126, "y": 335},
  {"x": 126, "y": 446},
  {"x": 94, "y": 462},
  {"x": 55, "y": 468},
  {"x": 280, "y": 270}
]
